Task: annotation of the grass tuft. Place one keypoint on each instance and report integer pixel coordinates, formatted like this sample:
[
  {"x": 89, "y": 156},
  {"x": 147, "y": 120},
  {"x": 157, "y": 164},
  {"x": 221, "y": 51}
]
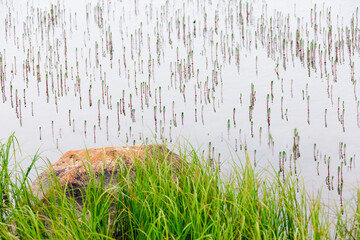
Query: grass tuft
[{"x": 153, "y": 200}]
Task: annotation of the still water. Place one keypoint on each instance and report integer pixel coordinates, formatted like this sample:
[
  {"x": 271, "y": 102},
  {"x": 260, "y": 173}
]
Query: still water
[{"x": 276, "y": 79}]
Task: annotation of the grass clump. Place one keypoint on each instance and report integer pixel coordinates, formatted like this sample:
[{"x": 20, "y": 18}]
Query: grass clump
[{"x": 154, "y": 200}]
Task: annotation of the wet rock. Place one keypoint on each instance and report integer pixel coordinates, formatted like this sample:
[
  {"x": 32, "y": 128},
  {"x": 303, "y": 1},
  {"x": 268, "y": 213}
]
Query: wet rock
[{"x": 73, "y": 169}]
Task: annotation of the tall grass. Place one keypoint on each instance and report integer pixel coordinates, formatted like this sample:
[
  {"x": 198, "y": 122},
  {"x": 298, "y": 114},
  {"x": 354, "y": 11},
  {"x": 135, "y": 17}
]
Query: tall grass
[{"x": 155, "y": 200}]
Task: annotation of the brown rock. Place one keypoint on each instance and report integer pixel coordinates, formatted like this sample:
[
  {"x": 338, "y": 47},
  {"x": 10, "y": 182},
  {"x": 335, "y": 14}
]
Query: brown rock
[{"x": 73, "y": 168}]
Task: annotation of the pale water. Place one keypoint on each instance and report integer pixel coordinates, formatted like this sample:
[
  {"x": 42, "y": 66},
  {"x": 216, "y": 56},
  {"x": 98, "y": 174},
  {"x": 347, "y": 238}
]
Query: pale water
[{"x": 223, "y": 76}]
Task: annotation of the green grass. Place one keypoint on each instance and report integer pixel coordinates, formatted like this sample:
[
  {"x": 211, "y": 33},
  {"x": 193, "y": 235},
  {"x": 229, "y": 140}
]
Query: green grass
[{"x": 196, "y": 204}]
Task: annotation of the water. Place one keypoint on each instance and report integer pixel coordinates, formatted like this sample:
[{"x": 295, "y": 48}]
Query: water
[{"x": 128, "y": 56}]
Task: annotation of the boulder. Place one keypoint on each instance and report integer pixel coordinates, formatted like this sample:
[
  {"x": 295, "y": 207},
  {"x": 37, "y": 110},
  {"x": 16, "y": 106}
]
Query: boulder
[{"x": 73, "y": 168}]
